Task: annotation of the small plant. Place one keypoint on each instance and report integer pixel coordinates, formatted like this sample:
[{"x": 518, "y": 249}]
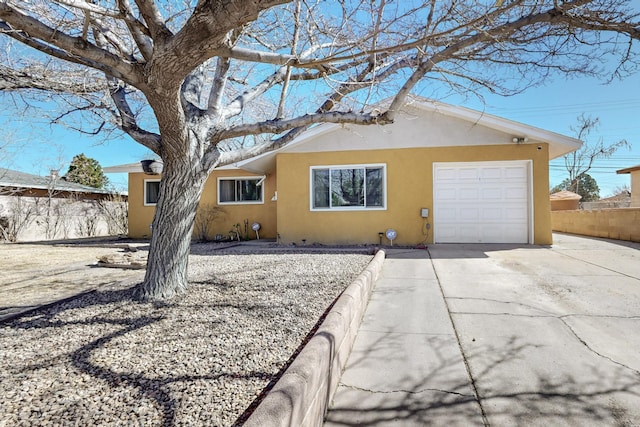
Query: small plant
[
  {"x": 235, "y": 233},
  {"x": 206, "y": 216}
]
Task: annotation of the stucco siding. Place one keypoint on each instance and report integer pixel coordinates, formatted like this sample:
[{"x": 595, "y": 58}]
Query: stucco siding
[
  {"x": 409, "y": 179},
  {"x": 635, "y": 189},
  {"x": 141, "y": 216}
]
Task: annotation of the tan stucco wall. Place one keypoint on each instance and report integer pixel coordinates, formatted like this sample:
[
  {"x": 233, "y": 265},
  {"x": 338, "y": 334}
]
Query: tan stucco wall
[
  {"x": 564, "y": 205},
  {"x": 635, "y": 189},
  {"x": 141, "y": 217},
  {"x": 409, "y": 188},
  {"x": 620, "y": 224}
]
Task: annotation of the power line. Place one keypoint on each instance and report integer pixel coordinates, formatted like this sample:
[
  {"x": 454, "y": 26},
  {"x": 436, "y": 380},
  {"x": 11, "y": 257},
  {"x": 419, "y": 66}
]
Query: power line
[{"x": 604, "y": 105}]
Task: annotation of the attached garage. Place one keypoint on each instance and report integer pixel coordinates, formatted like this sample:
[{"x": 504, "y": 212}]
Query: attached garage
[{"x": 483, "y": 202}]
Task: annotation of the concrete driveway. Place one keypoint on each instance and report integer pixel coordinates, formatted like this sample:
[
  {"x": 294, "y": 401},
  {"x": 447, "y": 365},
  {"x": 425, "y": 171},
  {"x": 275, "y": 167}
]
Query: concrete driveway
[{"x": 500, "y": 335}]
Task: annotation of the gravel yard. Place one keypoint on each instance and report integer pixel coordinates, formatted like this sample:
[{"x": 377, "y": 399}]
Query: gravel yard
[{"x": 199, "y": 359}]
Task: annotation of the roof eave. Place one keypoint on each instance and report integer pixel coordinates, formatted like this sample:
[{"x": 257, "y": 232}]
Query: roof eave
[{"x": 628, "y": 170}]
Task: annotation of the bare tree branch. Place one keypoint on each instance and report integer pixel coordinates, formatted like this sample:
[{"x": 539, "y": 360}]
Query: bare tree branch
[
  {"x": 151, "y": 15},
  {"x": 72, "y": 82},
  {"x": 128, "y": 121},
  {"x": 62, "y": 46},
  {"x": 139, "y": 32}
]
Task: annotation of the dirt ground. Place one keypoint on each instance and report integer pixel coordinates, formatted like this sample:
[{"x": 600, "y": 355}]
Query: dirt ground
[{"x": 34, "y": 274}]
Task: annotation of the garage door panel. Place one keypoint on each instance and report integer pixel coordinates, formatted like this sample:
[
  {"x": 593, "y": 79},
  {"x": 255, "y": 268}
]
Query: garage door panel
[
  {"x": 471, "y": 214},
  {"x": 445, "y": 174},
  {"x": 492, "y": 193},
  {"x": 502, "y": 234},
  {"x": 491, "y": 173},
  {"x": 518, "y": 173},
  {"x": 515, "y": 193},
  {"x": 448, "y": 233},
  {"x": 516, "y": 213},
  {"x": 483, "y": 202},
  {"x": 468, "y": 194},
  {"x": 468, "y": 174},
  {"x": 447, "y": 214},
  {"x": 492, "y": 214},
  {"x": 447, "y": 194}
]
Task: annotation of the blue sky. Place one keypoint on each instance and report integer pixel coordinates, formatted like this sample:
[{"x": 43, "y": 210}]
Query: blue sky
[
  {"x": 554, "y": 107},
  {"x": 557, "y": 105}
]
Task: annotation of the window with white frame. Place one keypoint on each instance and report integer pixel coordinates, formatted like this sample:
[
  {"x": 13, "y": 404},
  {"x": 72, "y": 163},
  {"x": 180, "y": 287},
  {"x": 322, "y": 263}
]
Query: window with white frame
[
  {"x": 348, "y": 187},
  {"x": 151, "y": 191},
  {"x": 240, "y": 190}
]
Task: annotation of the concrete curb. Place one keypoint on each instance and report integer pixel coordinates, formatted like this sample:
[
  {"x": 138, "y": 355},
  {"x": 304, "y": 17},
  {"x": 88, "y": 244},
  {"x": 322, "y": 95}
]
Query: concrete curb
[{"x": 302, "y": 395}]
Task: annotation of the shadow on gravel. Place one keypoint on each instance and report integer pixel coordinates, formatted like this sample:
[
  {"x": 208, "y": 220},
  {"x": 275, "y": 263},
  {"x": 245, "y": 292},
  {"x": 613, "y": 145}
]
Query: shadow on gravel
[
  {"x": 116, "y": 315},
  {"x": 104, "y": 358}
]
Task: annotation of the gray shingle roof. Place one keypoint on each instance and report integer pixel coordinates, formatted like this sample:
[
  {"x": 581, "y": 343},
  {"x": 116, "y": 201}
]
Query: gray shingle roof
[{"x": 17, "y": 179}]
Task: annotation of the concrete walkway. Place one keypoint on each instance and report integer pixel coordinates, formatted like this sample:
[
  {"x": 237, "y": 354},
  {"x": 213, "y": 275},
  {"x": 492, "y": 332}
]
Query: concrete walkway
[
  {"x": 406, "y": 368},
  {"x": 499, "y": 335}
]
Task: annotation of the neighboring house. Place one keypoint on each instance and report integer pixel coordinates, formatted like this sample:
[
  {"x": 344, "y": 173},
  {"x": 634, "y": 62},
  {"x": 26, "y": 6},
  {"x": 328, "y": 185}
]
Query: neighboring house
[
  {"x": 634, "y": 171},
  {"x": 565, "y": 201},
  {"x": 15, "y": 183},
  {"x": 34, "y": 207},
  {"x": 440, "y": 173},
  {"x": 622, "y": 200}
]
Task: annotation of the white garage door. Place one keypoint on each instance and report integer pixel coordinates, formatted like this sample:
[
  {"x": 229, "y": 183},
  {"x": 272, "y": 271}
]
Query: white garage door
[{"x": 482, "y": 202}]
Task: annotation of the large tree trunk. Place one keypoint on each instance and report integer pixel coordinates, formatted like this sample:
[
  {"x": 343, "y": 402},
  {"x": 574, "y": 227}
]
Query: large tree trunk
[{"x": 180, "y": 191}]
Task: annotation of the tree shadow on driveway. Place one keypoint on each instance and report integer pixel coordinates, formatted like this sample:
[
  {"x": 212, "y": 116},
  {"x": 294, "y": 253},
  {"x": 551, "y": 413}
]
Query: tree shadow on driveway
[{"x": 437, "y": 398}]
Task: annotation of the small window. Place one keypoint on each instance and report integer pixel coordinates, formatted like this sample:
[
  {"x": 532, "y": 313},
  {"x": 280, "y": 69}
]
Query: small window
[
  {"x": 348, "y": 187},
  {"x": 151, "y": 192},
  {"x": 240, "y": 190}
]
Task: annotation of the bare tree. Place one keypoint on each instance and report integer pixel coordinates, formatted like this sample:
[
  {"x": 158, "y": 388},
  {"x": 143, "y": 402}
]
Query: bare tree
[
  {"x": 623, "y": 190},
  {"x": 88, "y": 219},
  {"x": 15, "y": 217},
  {"x": 50, "y": 209},
  {"x": 114, "y": 210},
  {"x": 579, "y": 162},
  {"x": 206, "y": 217},
  {"x": 222, "y": 81}
]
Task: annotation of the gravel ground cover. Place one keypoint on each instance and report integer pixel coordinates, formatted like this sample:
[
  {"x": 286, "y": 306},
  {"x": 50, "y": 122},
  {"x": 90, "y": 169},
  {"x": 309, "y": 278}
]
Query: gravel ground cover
[{"x": 198, "y": 359}]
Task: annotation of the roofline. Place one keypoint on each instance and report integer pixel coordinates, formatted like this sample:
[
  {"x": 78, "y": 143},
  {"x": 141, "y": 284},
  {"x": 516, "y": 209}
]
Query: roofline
[
  {"x": 628, "y": 170},
  {"x": 137, "y": 167},
  {"x": 565, "y": 144},
  {"x": 126, "y": 168},
  {"x": 59, "y": 185}
]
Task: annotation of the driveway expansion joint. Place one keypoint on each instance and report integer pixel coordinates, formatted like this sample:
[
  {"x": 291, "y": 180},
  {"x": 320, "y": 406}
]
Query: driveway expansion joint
[{"x": 472, "y": 382}]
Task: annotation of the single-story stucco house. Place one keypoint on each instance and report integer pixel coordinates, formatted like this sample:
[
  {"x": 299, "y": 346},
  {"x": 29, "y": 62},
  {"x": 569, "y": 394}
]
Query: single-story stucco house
[{"x": 440, "y": 173}]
